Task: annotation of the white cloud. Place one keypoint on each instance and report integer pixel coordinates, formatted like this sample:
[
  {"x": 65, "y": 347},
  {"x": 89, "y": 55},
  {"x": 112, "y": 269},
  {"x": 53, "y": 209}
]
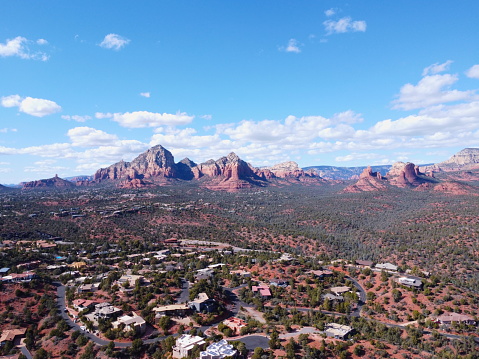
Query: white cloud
[
  {"x": 101, "y": 115},
  {"x": 293, "y": 46},
  {"x": 20, "y": 47},
  {"x": 141, "y": 119},
  {"x": 76, "y": 118},
  {"x": 145, "y": 94},
  {"x": 5, "y": 130},
  {"x": 430, "y": 90},
  {"x": 437, "y": 68},
  {"x": 206, "y": 117},
  {"x": 114, "y": 42},
  {"x": 343, "y": 25},
  {"x": 11, "y": 101},
  {"x": 330, "y": 12},
  {"x": 359, "y": 156},
  {"x": 32, "y": 106},
  {"x": 473, "y": 72},
  {"x": 90, "y": 137},
  {"x": 42, "y": 42},
  {"x": 185, "y": 138}
]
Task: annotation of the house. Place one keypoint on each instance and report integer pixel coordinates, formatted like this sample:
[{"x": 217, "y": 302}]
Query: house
[
  {"x": 185, "y": 345},
  {"x": 87, "y": 288},
  {"x": 362, "y": 263},
  {"x": 278, "y": 282},
  {"x": 219, "y": 350},
  {"x": 4, "y": 271},
  {"x": 82, "y": 304},
  {"x": 134, "y": 322},
  {"x": 12, "y": 335},
  {"x": 241, "y": 273},
  {"x": 131, "y": 279},
  {"x": 217, "y": 265},
  {"x": 321, "y": 273},
  {"x": 386, "y": 266},
  {"x": 203, "y": 303},
  {"x": 172, "y": 310},
  {"x": 106, "y": 311},
  {"x": 339, "y": 290},
  {"x": 455, "y": 318},
  {"x": 262, "y": 290},
  {"x": 330, "y": 296},
  {"x": 410, "y": 282},
  {"x": 235, "y": 324},
  {"x": 19, "y": 277},
  {"x": 78, "y": 265},
  {"x": 338, "y": 331}
]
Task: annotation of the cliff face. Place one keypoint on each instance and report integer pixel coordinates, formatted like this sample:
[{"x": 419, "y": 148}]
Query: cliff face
[
  {"x": 155, "y": 163},
  {"x": 466, "y": 159},
  {"x": 404, "y": 174},
  {"x": 55, "y": 182}
]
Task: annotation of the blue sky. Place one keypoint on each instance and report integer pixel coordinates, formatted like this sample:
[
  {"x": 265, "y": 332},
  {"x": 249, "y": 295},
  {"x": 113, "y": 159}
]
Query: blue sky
[{"x": 84, "y": 84}]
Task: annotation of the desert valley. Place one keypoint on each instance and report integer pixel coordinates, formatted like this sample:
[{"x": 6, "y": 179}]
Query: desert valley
[{"x": 152, "y": 258}]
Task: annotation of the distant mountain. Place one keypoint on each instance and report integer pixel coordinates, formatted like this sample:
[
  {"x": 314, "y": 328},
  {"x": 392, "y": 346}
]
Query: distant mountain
[
  {"x": 157, "y": 165},
  {"x": 466, "y": 159},
  {"x": 55, "y": 182},
  {"x": 345, "y": 173},
  {"x": 79, "y": 178}
]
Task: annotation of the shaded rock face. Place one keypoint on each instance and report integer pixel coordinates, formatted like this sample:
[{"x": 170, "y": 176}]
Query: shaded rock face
[{"x": 55, "y": 182}]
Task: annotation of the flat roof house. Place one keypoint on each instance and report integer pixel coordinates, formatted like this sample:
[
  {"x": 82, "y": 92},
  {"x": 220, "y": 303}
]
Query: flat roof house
[
  {"x": 185, "y": 345},
  {"x": 338, "y": 331}
]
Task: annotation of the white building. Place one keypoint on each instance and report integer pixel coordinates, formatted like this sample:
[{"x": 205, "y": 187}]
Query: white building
[
  {"x": 218, "y": 350},
  {"x": 337, "y": 331},
  {"x": 185, "y": 344},
  {"x": 134, "y": 322}
]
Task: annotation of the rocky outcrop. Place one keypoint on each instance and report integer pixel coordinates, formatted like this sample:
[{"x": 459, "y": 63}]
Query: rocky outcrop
[
  {"x": 404, "y": 174},
  {"x": 50, "y": 183},
  {"x": 369, "y": 181},
  {"x": 156, "y": 163}
]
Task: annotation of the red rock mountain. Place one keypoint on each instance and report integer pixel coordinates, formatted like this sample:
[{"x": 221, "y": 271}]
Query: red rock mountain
[
  {"x": 404, "y": 174},
  {"x": 55, "y": 182},
  {"x": 369, "y": 181},
  {"x": 466, "y": 159}
]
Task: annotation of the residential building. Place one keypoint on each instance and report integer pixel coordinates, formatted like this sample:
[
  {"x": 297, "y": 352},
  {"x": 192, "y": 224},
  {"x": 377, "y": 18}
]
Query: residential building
[
  {"x": 202, "y": 303},
  {"x": 263, "y": 290},
  {"x": 410, "y": 282},
  {"x": 386, "y": 266},
  {"x": 340, "y": 290},
  {"x": 134, "y": 322},
  {"x": 338, "y": 331},
  {"x": 449, "y": 318},
  {"x": 172, "y": 310},
  {"x": 362, "y": 263},
  {"x": 185, "y": 345},
  {"x": 219, "y": 350},
  {"x": 235, "y": 324},
  {"x": 106, "y": 311},
  {"x": 12, "y": 335}
]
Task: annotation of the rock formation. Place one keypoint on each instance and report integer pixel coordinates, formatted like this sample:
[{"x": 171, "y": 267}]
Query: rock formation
[
  {"x": 466, "y": 159},
  {"x": 55, "y": 182},
  {"x": 369, "y": 181},
  {"x": 404, "y": 174}
]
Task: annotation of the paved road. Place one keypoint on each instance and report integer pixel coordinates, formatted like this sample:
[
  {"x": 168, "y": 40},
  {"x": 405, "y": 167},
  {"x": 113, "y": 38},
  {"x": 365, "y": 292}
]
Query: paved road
[
  {"x": 25, "y": 352},
  {"x": 362, "y": 297},
  {"x": 185, "y": 292}
]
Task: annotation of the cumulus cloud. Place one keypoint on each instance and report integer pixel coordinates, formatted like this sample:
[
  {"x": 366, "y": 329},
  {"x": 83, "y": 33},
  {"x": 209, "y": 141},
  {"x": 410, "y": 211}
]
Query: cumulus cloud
[
  {"x": 90, "y": 137},
  {"x": 145, "y": 94},
  {"x": 330, "y": 12},
  {"x": 206, "y": 117},
  {"x": 473, "y": 72},
  {"x": 293, "y": 46},
  {"x": 437, "y": 68},
  {"x": 140, "y": 119},
  {"x": 76, "y": 118},
  {"x": 343, "y": 25},
  {"x": 185, "y": 138},
  {"x": 21, "y": 47},
  {"x": 32, "y": 106},
  {"x": 430, "y": 90},
  {"x": 114, "y": 42}
]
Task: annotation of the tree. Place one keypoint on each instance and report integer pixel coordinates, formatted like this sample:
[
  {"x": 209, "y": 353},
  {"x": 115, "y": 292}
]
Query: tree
[{"x": 274, "y": 340}]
